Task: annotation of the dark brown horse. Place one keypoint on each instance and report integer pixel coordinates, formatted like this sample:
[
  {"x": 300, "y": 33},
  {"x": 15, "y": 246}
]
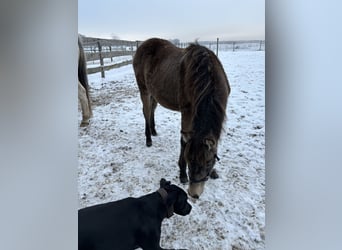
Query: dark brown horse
[
  {"x": 191, "y": 81},
  {"x": 83, "y": 86}
]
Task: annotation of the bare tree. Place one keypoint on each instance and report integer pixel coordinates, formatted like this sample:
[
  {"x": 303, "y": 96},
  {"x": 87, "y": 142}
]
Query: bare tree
[
  {"x": 175, "y": 41},
  {"x": 114, "y": 36}
]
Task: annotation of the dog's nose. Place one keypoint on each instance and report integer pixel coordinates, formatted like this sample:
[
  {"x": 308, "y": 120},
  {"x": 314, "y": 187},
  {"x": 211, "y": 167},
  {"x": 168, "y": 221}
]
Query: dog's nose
[{"x": 188, "y": 209}]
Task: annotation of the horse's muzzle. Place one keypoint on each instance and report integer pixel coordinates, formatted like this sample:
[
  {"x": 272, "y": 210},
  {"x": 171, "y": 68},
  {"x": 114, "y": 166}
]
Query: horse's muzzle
[{"x": 196, "y": 189}]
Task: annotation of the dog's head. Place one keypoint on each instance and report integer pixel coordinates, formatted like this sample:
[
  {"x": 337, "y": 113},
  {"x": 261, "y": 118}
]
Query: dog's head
[{"x": 176, "y": 198}]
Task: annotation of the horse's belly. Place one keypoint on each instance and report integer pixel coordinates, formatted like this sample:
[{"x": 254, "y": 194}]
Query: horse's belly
[
  {"x": 168, "y": 103},
  {"x": 165, "y": 92}
]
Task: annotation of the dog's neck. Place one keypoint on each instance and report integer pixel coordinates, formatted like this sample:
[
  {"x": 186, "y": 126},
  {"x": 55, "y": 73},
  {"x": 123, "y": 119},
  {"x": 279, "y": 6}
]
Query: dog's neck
[{"x": 163, "y": 193}]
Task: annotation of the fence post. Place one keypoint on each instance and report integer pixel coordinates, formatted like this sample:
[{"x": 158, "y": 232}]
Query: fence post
[
  {"x": 110, "y": 50},
  {"x": 233, "y": 46},
  {"x": 217, "y": 44},
  {"x": 101, "y": 60},
  {"x": 93, "y": 50},
  {"x": 260, "y": 44}
]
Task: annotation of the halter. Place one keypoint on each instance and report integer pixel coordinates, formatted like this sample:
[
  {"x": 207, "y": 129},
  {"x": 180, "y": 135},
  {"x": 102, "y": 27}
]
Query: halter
[
  {"x": 163, "y": 193},
  {"x": 200, "y": 180},
  {"x": 185, "y": 143},
  {"x": 204, "y": 178}
]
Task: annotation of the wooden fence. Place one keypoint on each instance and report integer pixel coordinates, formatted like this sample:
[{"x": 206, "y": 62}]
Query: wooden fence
[
  {"x": 216, "y": 46},
  {"x": 97, "y": 50},
  {"x": 100, "y": 50}
]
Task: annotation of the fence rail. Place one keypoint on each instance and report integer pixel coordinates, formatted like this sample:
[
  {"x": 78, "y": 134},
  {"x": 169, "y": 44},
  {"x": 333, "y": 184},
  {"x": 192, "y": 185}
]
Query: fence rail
[
  {"x": 97, "y": 49},
  {"x": 108, "y": 67},
  {"x": 92, "y": 56}
]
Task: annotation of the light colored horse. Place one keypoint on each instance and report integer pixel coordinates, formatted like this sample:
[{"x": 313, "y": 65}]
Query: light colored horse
[{"x": 83, "y": 87}]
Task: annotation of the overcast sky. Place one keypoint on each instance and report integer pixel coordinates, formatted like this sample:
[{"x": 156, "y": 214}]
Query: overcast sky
[{"x": 186, "y": 20}]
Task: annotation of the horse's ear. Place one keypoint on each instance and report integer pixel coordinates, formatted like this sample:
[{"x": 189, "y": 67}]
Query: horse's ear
[
  {"x": 210, "y": 143},
  {"x": 164, "y": 183}
]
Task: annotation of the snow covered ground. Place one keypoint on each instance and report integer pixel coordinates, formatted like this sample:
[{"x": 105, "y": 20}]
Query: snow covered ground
[{"x": 114, "y": 162}]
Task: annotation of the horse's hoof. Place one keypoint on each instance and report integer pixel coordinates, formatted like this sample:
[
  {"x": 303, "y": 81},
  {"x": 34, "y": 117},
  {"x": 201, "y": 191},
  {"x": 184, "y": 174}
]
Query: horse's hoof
[
  {"x": 84, "y": 124},
  {"x": 154, "y": 133},
  {"x": 149, "y": 143},
  {"x": 213, "y": 174},
  {"x": 184, "y": 179}
]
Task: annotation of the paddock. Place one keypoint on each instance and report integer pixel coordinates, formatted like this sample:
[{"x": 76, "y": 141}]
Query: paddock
[{"x": 113, "y": 162}]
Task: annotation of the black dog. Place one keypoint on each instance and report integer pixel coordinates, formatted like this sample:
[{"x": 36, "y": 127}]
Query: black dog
[{"x": 132, "y": 222}]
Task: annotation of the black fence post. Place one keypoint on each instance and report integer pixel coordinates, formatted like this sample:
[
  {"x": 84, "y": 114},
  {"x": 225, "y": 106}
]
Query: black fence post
[
  {"x": 217, "y": 44},
  {"x": 110, "y": 50},
  {"x": 101, "y": 60}
]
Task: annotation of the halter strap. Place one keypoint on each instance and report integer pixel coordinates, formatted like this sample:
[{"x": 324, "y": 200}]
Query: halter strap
[
  {"x": 193, "y": 181},
  {"x": 163, "y": 193}
]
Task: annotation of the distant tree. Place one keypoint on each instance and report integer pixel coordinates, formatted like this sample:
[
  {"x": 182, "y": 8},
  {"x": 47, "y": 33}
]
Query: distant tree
[
  {"x": 175, "y": 41},
  {"x": 114, "y": 36}
]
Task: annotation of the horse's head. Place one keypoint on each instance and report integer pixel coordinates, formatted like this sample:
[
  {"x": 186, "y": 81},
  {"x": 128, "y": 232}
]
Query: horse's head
[{"x": 200, "y": 155}]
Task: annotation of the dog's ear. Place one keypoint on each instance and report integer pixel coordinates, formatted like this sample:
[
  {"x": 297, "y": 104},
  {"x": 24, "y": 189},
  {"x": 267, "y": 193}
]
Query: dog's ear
[
  {"x": 172, "y": 195},
  {"x": 164, "y": 183}
]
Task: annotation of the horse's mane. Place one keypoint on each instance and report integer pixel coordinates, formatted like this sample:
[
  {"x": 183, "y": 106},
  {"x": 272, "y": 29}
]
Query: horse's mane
[{"x": 199, "y": 66}]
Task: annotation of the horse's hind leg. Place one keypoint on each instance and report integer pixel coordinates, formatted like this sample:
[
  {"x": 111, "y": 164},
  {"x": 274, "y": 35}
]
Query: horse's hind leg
[
  {"x": 146, "y": 100},
  {"x": 153, "y": 108}
]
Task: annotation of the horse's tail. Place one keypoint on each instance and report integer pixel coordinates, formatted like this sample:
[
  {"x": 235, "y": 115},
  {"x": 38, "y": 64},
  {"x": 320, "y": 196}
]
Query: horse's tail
[{"x": 82, "y": 69}]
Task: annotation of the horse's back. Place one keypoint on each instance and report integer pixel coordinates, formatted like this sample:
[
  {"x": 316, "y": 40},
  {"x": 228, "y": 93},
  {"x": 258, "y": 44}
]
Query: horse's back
[
  {"x": 153, "y": 48},
  {"x": 152, "y": 54},
  {"x": 156, "y": 65}
]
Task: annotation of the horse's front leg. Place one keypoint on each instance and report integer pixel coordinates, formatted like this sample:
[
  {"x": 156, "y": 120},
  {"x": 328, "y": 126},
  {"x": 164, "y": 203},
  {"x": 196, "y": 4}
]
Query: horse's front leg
[
  {"x": 185, "y": 137},
  {"x": 182, "y": 163}
]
